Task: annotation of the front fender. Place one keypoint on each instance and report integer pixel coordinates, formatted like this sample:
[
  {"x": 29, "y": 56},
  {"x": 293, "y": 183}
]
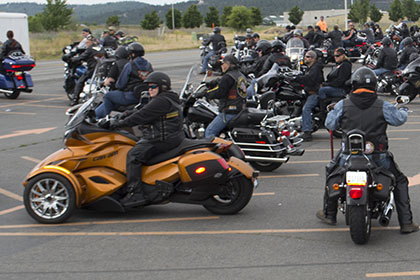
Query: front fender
[
  {"x": 244, "y": 168},
  {"x": 64, "y": 173},
  {"x": 360, "y": 201}
]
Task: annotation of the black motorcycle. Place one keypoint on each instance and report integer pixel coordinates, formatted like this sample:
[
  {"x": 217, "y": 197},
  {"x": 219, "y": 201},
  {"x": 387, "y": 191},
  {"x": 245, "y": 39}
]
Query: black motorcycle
[
  {"x": 266, "y": 139},
  {"x": 411, "y": 76}
]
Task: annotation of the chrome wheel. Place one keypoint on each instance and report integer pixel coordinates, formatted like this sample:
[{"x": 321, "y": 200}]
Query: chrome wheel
[{"x": 49, "y": 198}]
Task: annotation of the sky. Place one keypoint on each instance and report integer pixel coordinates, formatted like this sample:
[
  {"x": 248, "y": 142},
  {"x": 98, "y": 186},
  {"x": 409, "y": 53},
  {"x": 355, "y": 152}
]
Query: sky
[{"x": 153, "y": 2}]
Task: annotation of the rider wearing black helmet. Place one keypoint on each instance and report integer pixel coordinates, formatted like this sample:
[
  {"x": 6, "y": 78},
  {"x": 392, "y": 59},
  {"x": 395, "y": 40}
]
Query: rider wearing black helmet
[
  {"x": 230, "y": 89},
  {"x": 263, "y": 50},
  {"x": 217, "y": 41},
  {"x": 363, "y": 110},
  {"x": 117, "y": 66},
  {"x": 387, "y": 59},
  {"x": 277, "y": 56},
  {"x": 407, "y": 51},
  {"x": 161, "y": 123},
  {"x": 130, "y": 83}
]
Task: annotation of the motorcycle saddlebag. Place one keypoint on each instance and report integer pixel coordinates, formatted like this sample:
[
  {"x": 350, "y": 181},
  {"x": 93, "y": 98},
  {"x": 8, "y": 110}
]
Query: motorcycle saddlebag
[
  {"x": 387, "y": 179},
  {"x": 201, "y": 115},
  {"x": 255, "y": 136},
  {"x": 353, "y": 52},
  {"x": 335, "y": 177},
  {"x": 24, "y": 64}
]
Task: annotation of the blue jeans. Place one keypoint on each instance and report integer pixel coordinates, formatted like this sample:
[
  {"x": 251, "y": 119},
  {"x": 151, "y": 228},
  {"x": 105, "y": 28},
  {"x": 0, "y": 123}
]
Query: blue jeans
[
  {"x": 206, "y": 61},
  {"x": 310, "y": 104},
  {"x": 380, "y": 71},
  {"x": 113, "y": 100},
  {"x": 218, "y": 123},
  {"x": 328, "y": 91},
  {"x": 250, "y": 92}
]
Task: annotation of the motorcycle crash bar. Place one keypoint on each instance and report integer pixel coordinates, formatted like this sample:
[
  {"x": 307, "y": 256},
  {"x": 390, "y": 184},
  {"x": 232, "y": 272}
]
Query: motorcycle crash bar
[{"x": 266, "y": 159}]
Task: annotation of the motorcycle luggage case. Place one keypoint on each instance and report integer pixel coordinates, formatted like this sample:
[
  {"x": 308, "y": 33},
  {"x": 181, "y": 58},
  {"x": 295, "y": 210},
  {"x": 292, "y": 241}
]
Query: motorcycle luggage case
[
  {"x": 353, "y": 52},
  {"x": 248, "y": 116},
  {"x": 288, "y": 95},
  {"x": 23, "y": 64},
  {"x": 6, "y": 81},
  {"x": 250, "y": 135},
  {"x": 387, "y": 180}
]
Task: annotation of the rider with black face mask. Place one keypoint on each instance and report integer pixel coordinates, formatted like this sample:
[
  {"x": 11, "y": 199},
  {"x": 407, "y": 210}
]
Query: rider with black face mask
[{"x": 364, "y": 111}]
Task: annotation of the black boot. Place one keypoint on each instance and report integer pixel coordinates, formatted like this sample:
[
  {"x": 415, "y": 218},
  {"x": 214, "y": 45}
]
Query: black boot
[
  {"x": 307, "y": 136},
  {"x": 134, "y": 197},
  {"x": 330, "y": 220}
]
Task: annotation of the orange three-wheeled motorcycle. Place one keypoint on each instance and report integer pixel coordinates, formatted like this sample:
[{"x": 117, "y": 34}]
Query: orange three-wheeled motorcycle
[{"x": 90, "y": 171}]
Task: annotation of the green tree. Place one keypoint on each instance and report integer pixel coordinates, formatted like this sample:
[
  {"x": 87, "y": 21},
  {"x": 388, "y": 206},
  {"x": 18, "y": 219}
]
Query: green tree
[
  {"x": 227, "y": 10},
  {"x": 410, "y": 10},
  {"x": 177, "y": 16},
  {"x": 212, "y": 17},
  {"x": 113, "y": 21},
  {"x": 192, "y": 17},
  {"x": 55, "y": 15},
  {"x": 151, "y": 21},
  {"x": 256, "y": 17},
  {"x": 358, "y": 12},
  {"x": 395, "y": 11},
  {"x": 240, "y": 18},
  {"x": 374, "y": 13},
  {"x": 35, "y": 24},
  {"x": 295, "y": 15}
]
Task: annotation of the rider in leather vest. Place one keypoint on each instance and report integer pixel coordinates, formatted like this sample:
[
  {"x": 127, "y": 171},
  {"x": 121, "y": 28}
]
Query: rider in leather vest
[
  {"x": 364, "y": 111},
  {"x": 231, "y": 91}
]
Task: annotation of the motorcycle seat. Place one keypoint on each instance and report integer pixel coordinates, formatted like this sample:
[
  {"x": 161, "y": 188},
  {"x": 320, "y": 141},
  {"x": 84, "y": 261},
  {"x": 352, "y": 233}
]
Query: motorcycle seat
[
  {"x": 186, "y": 145},
  {"x": 248, "y": 116}
]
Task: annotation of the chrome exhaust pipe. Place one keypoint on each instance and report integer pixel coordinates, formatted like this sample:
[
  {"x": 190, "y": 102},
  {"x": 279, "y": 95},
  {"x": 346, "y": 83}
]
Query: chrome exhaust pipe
[
  {"x": 387, "y": 213},
  {"x": 266, "y": 159},
  {"x": 6, "y": 91}
]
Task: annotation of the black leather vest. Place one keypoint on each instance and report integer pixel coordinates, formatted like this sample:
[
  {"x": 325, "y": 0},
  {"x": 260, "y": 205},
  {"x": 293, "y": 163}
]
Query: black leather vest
[
  {"x": 235, "y": 101},
  {"x": 134, "y": 78},
  {"x": 168, "y": 127},
  {"x": 370, "y": 120}
]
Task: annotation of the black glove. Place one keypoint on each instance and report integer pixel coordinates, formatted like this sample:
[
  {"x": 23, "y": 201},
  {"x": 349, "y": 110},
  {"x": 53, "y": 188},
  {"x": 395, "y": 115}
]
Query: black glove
[
  {"x": 104, "y": 123},
  {"x": 114, "y": 124},
  {"x": 74, "y": 60},
  {"x": 199, "y": 94}
]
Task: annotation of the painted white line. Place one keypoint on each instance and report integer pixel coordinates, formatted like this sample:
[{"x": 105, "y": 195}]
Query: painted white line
[
  {"x": 10, "y": 194},
  {"x": 31, "y": 159},
  {"x": 10, "y": 210},
  {"x": 290, "y": 176},
  {"x": 393, "y": 274}
]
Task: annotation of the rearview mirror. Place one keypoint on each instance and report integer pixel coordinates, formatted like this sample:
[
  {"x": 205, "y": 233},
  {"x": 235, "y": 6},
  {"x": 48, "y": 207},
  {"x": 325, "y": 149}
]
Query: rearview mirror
[{"x": 402, "y": 99}]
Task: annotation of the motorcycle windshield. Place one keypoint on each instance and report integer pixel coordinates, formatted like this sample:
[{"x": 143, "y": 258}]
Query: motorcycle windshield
[
  {"x": 295, "y": 43},
  {"x": 294, "y": 48},
  {"x": 412, "y": 67},
  {"x": 192, "y": 81},
  {"x": 80, "y": 115}
]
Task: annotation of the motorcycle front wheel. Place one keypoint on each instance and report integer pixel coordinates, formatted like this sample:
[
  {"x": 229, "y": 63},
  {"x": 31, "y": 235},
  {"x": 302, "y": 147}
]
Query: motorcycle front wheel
[
  {"x": 360, "y": 223},
  {"x": 234, "y": 196},
  {"x": 49, "y": 198}
]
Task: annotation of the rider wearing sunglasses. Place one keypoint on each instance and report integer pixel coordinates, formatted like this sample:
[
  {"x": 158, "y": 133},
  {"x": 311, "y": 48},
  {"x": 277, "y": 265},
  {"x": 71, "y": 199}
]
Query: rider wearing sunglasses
[{"x": 160, "y": 121}]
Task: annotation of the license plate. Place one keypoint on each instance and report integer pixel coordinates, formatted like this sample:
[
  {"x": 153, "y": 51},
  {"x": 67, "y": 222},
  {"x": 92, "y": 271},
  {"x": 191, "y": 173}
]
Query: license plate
[
  {"x": 355, "y": 178},
  {"x": 18, "y": 73}
]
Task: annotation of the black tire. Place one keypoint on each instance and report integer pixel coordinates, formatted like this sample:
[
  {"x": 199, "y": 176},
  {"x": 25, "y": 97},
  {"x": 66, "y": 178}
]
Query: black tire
[
  {"x": 15, "y": 94},
  {"x": 360, "y": 223},
  {"x": 49, "y": 198},
  {"x": 236, "y": 195},
  {"x": 265, "y": 166}
]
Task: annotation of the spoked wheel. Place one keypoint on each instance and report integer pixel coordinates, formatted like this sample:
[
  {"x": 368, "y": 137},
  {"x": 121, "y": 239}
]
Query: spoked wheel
[
  {"x": 15, "y": 94},
  {"x": 49, "y": 198},
  {"x": 234, "y": 196},
  {"x": 360, "y": 223}
]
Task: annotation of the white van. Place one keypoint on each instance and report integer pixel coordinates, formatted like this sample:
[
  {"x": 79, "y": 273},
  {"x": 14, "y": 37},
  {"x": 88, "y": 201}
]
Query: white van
[{"x": 18, "y": 23}]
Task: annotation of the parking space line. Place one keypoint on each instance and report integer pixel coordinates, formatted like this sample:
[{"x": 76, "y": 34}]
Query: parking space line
[
  {"x": 31, "y": 159},
  {"x": 290, "y": 176},
  {"x": 307, "y": 161},
  {"x": 263, "y": 194},
  {"x": 393, "y": 274},
  {"x": 10, "y": 210},
  {"x": 10, "y": 194},
  {"x": 404, "y": 130},
  {"x": 17, "y": 113},
  {"x": 113, "y": 222},
  {"x": 173, "y": 233}
]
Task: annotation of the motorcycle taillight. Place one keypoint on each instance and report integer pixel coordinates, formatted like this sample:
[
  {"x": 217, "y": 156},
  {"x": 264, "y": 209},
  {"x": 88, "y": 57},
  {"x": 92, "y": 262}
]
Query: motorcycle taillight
[{"x": 356, "y": 192}]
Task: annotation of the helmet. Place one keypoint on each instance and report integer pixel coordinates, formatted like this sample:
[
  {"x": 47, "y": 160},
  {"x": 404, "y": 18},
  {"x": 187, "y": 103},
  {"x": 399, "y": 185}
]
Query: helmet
[
  {"x": 363, "y": 78},
  {"x": 255, "y": 35},
  {"x": 231, "y": 60},
  {"x": 159, "y": 78},
  {"x": 136, "y": 49},
  {"x": 298, "y": 32},
  {"x": 386, "y": 41},
  {"x": 217, "y": 30},
  {"x": 121, "y": 52},
  {"x": 278, "y": 46},
  {"x": 264, "y": 46},
  {"x": 248, "y": 30},
  {"x": 408, "y": 41},
  {"x": 120, "y": 33}
]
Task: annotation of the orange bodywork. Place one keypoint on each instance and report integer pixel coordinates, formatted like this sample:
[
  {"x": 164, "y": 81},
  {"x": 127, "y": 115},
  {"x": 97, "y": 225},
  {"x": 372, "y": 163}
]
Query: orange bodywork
[{"x": 95, "y": 164}]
